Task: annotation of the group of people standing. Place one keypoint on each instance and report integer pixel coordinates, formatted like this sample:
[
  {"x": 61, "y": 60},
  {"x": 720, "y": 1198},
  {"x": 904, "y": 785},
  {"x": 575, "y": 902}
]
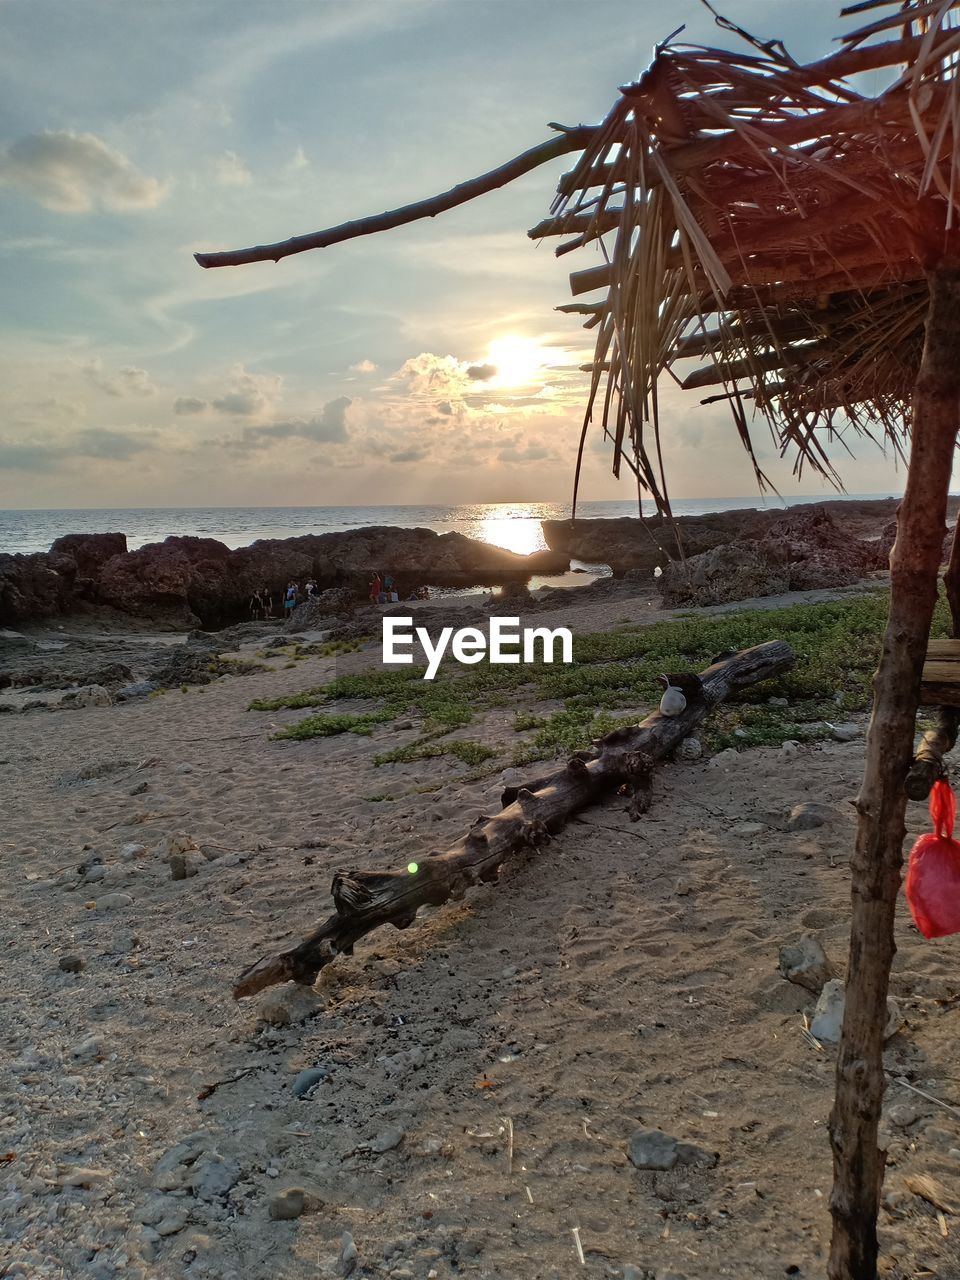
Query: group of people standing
[
  {"x": 382, "y": 590},
  {"x": 261, "y": 602}
]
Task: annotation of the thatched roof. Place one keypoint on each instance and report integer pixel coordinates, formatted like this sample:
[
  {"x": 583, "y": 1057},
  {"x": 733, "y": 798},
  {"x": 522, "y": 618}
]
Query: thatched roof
[{"x": 775, "y": 221}]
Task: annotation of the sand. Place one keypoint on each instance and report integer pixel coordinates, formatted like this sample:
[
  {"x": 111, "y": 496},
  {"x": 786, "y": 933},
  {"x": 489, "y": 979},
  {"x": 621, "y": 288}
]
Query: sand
[{"x": 485, "y": 1069}]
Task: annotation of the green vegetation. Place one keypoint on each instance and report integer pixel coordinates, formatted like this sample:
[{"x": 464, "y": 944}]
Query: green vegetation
[{"x": 613, "y": 682}]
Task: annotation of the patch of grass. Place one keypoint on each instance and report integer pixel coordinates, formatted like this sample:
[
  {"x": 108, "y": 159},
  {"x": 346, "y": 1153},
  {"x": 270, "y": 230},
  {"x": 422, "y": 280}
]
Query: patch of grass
[
  {"x": 330, "y": 726},
  {"x": 471, "y": 753},
  {"x": 615, "y": 672}
]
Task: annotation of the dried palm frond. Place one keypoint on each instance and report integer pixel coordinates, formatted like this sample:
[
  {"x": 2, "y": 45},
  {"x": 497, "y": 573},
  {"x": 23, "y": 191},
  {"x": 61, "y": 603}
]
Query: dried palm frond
[{"x": 770, "y": 217}]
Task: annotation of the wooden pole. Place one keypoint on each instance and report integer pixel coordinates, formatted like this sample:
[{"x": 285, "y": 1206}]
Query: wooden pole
[{"x": 877, "y": 858}]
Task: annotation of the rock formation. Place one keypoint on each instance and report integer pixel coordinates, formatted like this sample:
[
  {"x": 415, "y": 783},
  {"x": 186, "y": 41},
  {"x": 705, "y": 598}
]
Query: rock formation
[{"x": 185, "y": 582}]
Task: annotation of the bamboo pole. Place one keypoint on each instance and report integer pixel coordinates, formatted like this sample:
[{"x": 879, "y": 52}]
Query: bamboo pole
[{"x": 877, "y": 858}]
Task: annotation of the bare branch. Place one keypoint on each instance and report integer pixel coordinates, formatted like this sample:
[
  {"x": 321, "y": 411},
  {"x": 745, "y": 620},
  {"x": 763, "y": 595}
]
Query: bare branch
[{"x": 572, "y": 139}]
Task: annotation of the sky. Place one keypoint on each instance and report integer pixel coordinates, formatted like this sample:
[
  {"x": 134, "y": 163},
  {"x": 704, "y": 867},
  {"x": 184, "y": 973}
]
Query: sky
[{"x": 424, "y": 365}]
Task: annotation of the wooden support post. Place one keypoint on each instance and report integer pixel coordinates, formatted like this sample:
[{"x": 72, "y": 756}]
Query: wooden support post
[{"x": 877, "y": 858}]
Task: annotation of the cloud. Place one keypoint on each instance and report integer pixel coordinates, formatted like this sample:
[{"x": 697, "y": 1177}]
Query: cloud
[
  {"x": 363, "y": 366},
  {"x": 232, "y": 172},
  {"x": 188, "y": 404},
  {"x": 98, "y": 442},
  {"x": 524, "y": 453},
  {"x": 114, "y": 446},
  {"x": 409, "y": 455},
  {"x": 250, "y": 395},
  {"x": 481, "y": 372},
  {"x": 298, "y": 161},
  {"x": 129, "y": 381},
  {"x": 328, "y": 427},
  {"x": 27, "y": 457},
  {"x": 75, "y": 173}
]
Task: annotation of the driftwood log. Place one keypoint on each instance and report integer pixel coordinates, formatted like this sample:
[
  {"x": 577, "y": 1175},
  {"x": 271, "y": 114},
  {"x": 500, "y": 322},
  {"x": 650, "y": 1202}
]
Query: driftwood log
[{"x": 365, "y": 900}]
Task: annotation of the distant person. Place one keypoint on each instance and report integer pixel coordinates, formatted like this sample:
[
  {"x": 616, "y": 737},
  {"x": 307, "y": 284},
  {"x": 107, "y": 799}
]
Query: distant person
[
  {"x": 266, "y": 599},
  {"x": 312, "y": 592},
  {"x": 390, "y": 589},
  {"x": 423, "y": 593},
  {"x": 290, "y": 599},
  {"x": 376, "y": 586},
  {"x": 256, "y": 607}
]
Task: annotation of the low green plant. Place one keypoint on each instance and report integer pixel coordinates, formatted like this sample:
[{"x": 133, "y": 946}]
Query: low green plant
[{"x": 613, "y": 681}]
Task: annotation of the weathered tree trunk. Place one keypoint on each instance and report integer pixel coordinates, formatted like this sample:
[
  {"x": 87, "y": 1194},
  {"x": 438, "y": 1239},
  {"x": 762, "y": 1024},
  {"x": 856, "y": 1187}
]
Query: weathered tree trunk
[
  {"x": 365, "y": 900},
  {"x": 877, "y": 859}
]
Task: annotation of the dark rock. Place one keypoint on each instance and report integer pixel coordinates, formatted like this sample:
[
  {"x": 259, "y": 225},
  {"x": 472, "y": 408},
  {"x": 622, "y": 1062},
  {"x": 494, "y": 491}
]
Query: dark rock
[
  {"x": 288, "y": 1204},
  {"x": 307, "y": 1079},
  {"x": 71, "y": 964},
  {"x": 651, "y": 1149},
  {"x": 90, "y": 550},
  {"x": 628, "y": 543},
  {"x": 186, "y": 581},
  {"x": 806, "y": 550}
]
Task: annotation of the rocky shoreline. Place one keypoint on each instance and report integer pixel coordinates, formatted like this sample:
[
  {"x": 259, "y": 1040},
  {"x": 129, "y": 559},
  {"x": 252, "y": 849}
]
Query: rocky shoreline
[{"x": 186, "y": 582}]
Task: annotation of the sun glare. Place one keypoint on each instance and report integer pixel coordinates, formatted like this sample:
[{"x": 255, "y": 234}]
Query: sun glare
[{"x": 517, "y": 361}]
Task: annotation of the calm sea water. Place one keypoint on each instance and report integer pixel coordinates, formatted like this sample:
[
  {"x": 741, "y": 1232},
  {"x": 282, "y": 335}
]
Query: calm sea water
[{"x": 512, "y": 525}]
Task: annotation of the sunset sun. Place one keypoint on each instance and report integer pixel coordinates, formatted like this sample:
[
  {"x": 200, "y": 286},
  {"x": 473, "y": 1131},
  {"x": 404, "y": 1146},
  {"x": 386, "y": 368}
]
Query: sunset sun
[{"x": 517, "y": 360}]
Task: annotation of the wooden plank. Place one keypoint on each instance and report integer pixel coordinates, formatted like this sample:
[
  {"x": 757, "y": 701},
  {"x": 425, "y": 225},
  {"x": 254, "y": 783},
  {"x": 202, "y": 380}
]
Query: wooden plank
[
  {"x": 943, "y": 651},
  {"x": 940, "y": 681}
]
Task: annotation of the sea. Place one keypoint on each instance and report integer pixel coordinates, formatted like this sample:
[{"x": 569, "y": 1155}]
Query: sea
[{"x": 514, "y": 525}]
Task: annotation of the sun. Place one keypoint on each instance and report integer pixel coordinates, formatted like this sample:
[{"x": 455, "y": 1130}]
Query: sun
[{"x": 517, "y": 361}]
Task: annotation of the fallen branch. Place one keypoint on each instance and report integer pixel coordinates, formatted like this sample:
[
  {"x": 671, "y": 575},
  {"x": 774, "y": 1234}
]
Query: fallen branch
[
  {"x": 567, "y": 140},
  {"x": 365, "y": 900}
]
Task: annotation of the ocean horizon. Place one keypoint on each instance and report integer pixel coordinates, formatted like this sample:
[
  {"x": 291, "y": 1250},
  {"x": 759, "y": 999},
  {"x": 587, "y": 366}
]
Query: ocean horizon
[{"x": 513, "y": 525}]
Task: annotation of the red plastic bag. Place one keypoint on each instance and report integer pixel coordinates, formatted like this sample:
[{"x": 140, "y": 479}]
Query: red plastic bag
[{"x": 933, "y": 876}]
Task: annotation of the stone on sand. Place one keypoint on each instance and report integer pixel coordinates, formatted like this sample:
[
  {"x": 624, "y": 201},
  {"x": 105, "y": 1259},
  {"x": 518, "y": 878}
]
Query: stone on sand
[
  {"x": 287, "y": 1005},
  {"x": 828, "y": 1016},
  {"x": 807, "y": 816},
  {"x": 653, "y": 1149},
  {"x": 805, "y": 963},
  {"x": 287, "y": 1204},
  {"x": 306, "y": 1080}
]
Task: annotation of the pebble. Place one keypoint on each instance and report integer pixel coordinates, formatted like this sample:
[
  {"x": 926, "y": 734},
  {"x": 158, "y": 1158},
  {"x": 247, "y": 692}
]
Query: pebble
[
  {"x": 132, "y": 850},
  {"x": 807, "y": 816},
  {"x": 287, "y": 1204},
  {"x": 171, "y": 1224},
  {"x": 805, "y": 963},
  {"x": 904, "y": 1114},
  {"x": 689, "y": 749},
  {"x": 307, "y": 1079},
  {"x": 181, "y": 867},
  {"x": 87, "y": 1050},
  {"x": 287, "y": 1005},
  {"x": 71, "y": 964},
  {"x": 790, "y": 749},
  {"x": 653, "y": 1149},
  {"x": 747, "y": 829},
  {"x": 827, "y": 1021},
  {"x": 114, "y": 902},
  {"x": 348, "y": 1256},
  {"x": 212, "y": 1176},
  {"x": 386, "y": 1141},
  {"x": 724, "y": 759},
  {"x": 846, "y": 732}
]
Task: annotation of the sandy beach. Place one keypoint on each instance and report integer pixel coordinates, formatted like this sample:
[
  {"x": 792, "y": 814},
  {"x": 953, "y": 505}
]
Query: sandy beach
[{"x": 478, "y": 1078}]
